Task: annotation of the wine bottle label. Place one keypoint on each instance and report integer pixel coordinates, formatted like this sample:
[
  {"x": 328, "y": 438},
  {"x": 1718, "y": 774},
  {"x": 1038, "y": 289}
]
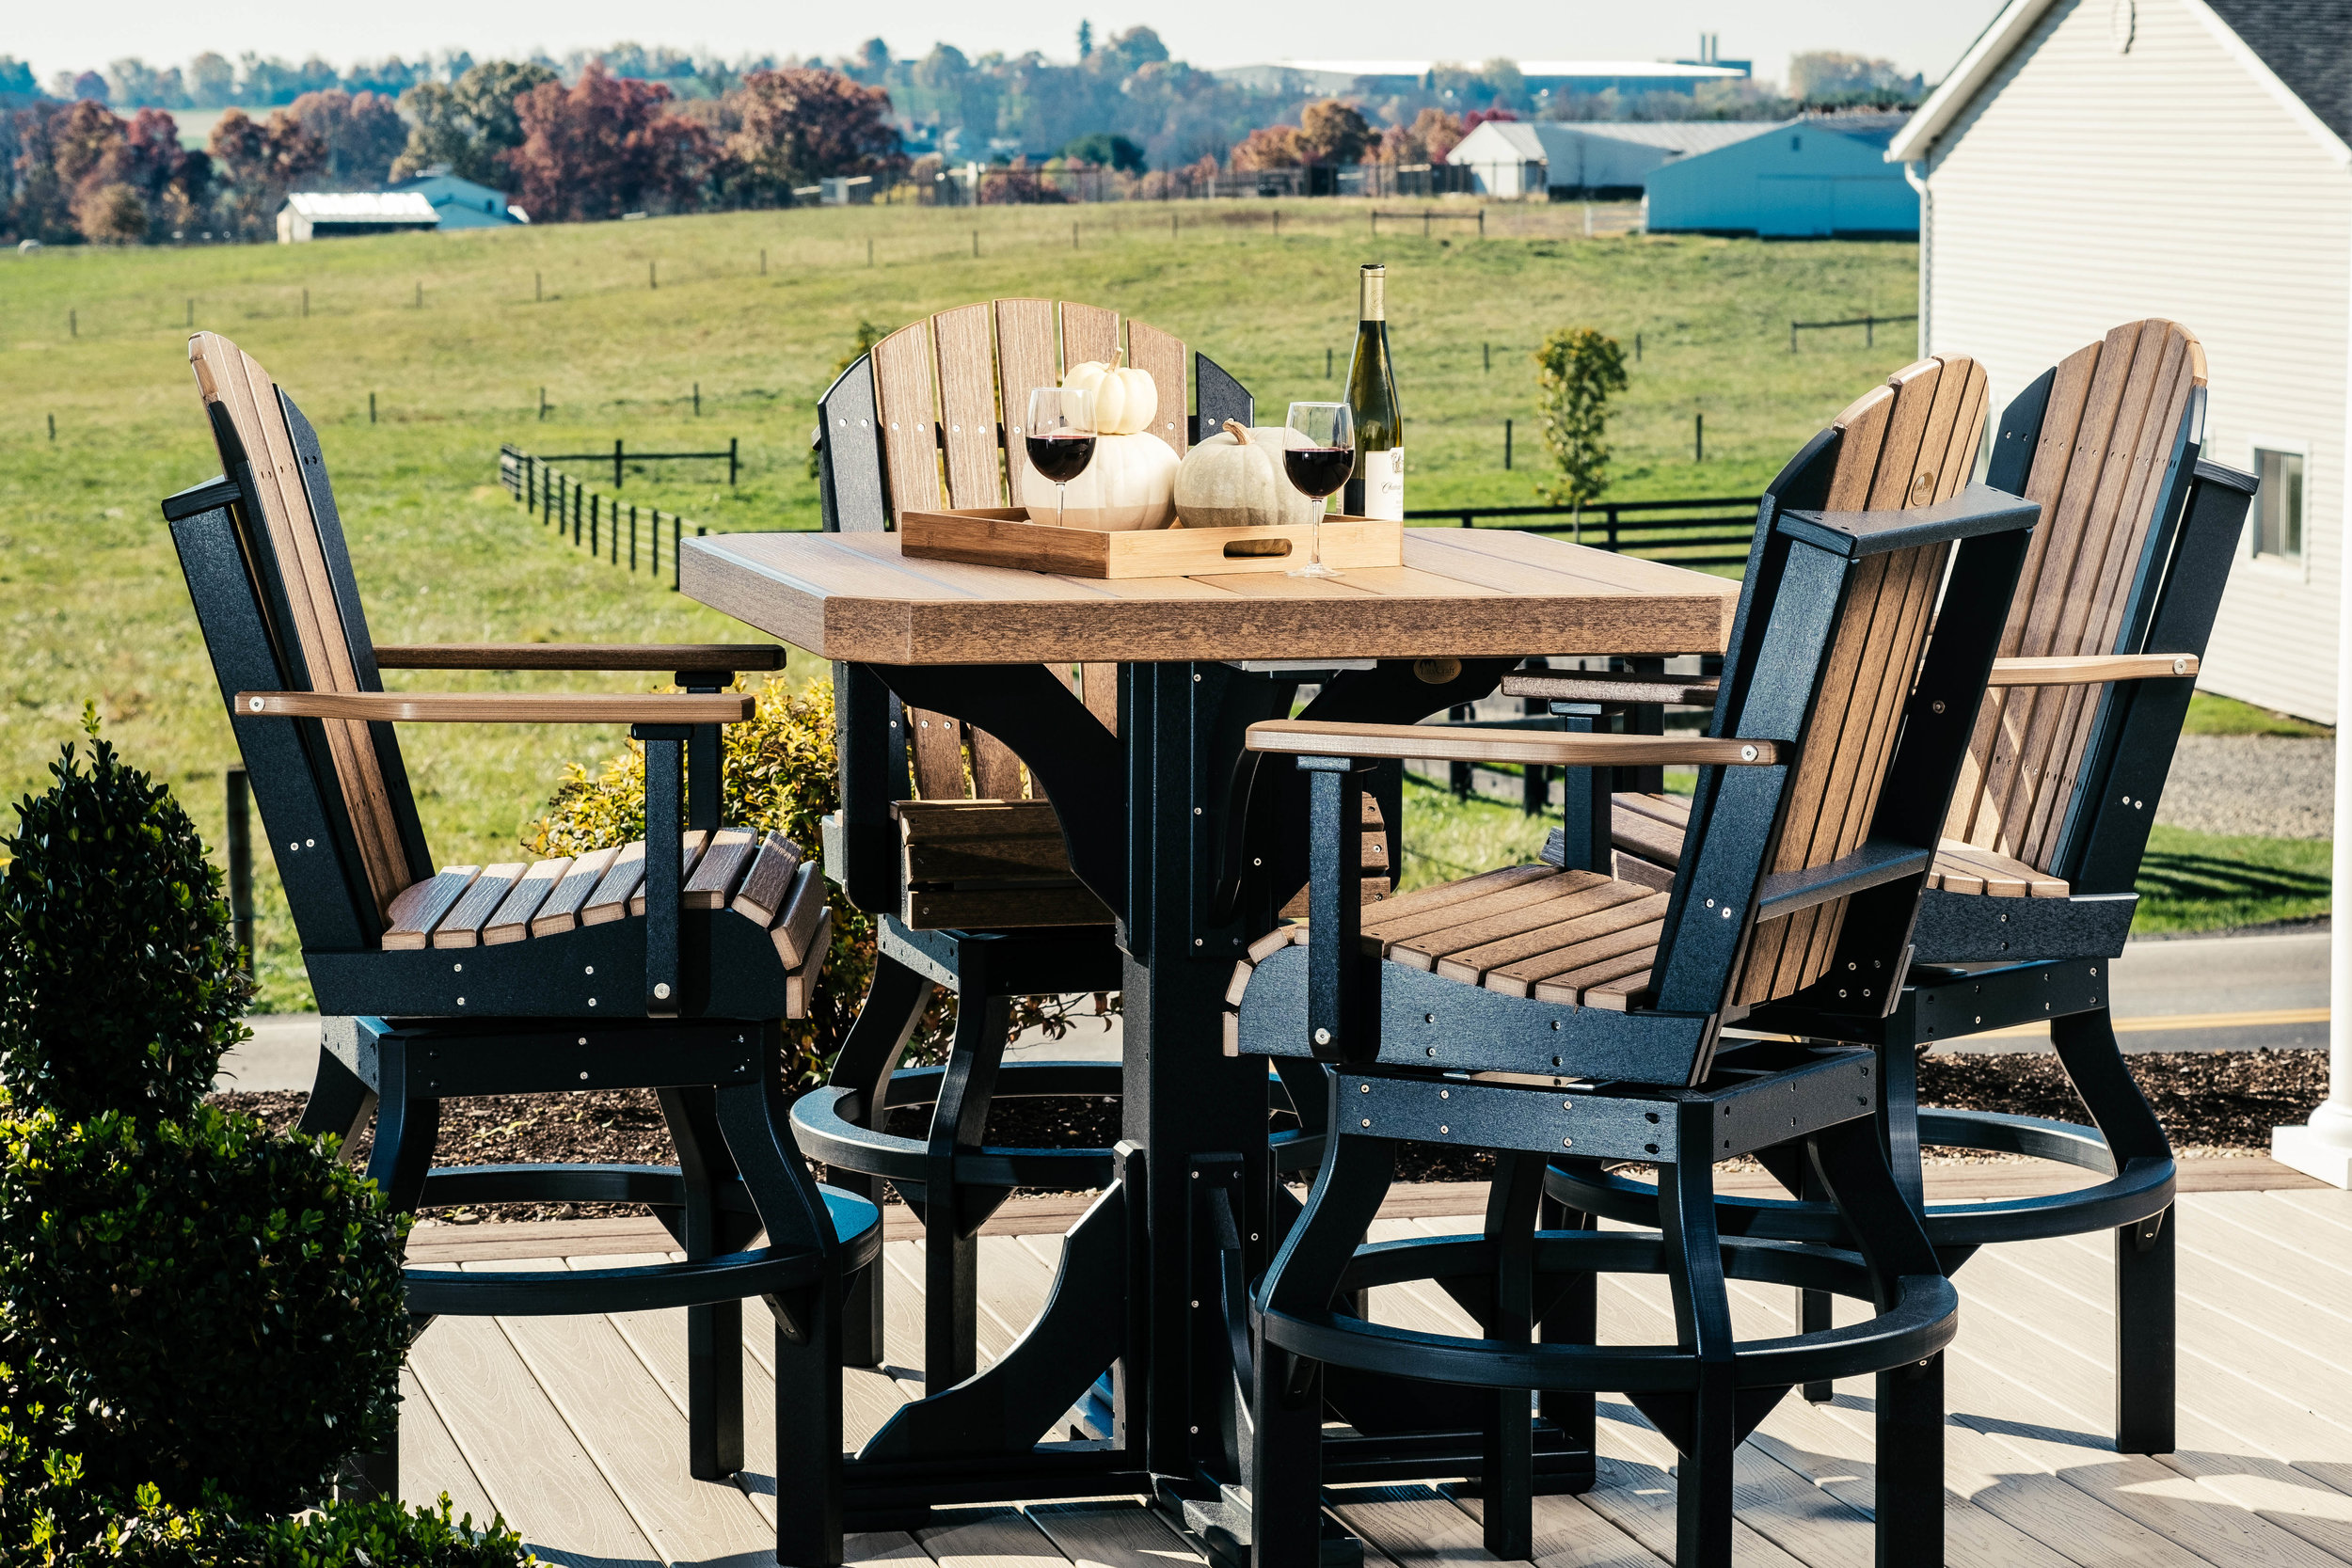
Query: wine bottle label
[{"x": 1382, "y": 475}]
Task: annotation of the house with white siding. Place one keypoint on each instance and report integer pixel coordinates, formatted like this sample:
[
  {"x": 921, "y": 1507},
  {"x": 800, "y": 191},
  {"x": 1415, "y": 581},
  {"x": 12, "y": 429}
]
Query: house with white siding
[
  {"x": 1586, "y": 160},
  {"x": 2091, "y": 161}
]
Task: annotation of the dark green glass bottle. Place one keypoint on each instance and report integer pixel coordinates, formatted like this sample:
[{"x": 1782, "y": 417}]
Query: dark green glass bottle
[{"x": 1377, "y": 488}]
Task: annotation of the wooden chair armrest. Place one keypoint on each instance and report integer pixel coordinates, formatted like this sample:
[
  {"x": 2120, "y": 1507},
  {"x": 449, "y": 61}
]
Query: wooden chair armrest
[
  {"x": 715, "y": 657},
  {"x": 1446, "y": 743},
  {"x": 1582, "y": 686},
  {"x": 497, "y": 707},
  {"x": 2089, "y": 668}
]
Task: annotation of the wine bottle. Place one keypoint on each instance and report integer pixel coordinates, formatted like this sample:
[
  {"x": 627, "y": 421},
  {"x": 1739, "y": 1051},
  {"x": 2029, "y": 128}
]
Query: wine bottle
[{"x": 1376, "y": 487}]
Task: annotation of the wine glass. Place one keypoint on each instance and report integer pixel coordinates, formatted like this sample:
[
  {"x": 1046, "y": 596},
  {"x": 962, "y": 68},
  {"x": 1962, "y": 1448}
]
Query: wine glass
[
  {"x": 1060, "y": 437},
  {"x": 1318, "y": 455}
]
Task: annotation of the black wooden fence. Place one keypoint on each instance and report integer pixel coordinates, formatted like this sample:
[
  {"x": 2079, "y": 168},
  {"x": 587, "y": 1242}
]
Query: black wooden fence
[
  {"x": 1710, "y": 532},
  {"x": 597, "y": 521}
]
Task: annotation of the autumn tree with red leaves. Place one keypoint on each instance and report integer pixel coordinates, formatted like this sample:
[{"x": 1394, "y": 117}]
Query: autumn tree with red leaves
[
  {"x": 798, "y": 125},
  {"x": 259, "y": 163},
  {"x": 603, "y": 147},
  {"x": 363, "y": 133}
]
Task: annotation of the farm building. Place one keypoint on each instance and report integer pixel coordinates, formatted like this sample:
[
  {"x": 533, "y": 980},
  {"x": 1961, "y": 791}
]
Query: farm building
[
  {"x": 461, "y": 203},
  {"x": 2204, "y": 178},
  {"x": 1810, "y": 177},
  {"x": 336, "y": 214},
  {"x": 1587, "y": 159}
]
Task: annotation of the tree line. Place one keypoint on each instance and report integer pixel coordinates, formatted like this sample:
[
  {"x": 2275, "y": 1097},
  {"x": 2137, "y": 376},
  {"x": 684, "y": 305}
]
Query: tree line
[{"x": 598, "y": 146}]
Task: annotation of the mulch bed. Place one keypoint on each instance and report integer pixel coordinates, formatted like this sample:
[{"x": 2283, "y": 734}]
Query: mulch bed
[{"x": 2211, "y": 1103}]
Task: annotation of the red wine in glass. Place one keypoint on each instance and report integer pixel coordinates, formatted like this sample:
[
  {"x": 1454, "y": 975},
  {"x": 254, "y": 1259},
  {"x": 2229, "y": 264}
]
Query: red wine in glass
[
  {"x": 1317, "y": 471},
  {"x": 1063, "y": 458},
  {"x": 1318, "y": 453}
]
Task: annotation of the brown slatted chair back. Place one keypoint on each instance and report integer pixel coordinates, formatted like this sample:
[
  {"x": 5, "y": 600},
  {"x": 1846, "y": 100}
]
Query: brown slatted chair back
[
  {"x": 317, "y": 646},
  {"x": 952, "y": 393},
  {"x": 1910, "y": 443},
  {"x": 2108, "y": 436}
]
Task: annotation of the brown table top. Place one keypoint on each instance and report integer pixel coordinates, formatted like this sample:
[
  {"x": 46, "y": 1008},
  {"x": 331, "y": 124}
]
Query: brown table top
[{"x": 1462, "y": 592}]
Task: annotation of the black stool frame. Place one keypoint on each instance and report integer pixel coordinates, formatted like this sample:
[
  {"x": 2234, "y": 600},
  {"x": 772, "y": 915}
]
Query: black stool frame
[{"x": 1982, "y": 963}]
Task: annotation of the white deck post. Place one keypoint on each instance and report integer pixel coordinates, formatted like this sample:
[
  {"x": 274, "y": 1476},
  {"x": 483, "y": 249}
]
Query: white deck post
[{"x": 2324, "y": 1148}]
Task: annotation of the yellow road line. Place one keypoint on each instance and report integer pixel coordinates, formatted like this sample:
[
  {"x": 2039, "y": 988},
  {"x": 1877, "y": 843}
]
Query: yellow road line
[{"x": 2169, "y": 1022}]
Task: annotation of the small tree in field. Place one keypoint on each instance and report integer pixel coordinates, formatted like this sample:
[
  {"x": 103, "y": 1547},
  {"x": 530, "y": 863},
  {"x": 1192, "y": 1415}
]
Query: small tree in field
[{"x": 1576, "y": 369}]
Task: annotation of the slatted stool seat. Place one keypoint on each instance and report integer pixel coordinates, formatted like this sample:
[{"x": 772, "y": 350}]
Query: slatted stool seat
[{"x": 2031, "y": 892}]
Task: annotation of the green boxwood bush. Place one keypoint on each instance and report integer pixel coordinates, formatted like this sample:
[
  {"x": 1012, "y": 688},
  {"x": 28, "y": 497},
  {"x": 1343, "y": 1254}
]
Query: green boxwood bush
[
  {"x": 222, "y": 1307},
  {"x": 120, "y": 984}
]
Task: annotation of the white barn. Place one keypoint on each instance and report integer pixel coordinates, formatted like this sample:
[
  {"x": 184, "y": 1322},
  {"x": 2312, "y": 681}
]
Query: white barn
[
  {"x": 2091, "y": 162},
  {"x": 1813, "y": 178},
  {"x": 1586, "y": 160}
]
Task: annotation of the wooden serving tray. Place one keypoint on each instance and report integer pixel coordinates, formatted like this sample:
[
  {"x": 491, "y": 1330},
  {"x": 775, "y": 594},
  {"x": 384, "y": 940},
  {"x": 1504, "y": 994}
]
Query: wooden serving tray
[{"x": 1007, "y": 536}]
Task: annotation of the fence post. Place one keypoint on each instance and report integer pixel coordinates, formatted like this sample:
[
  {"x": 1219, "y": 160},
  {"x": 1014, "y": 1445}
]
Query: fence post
[
  {"x": 596, "y": 546},
  {"x": 677, "y": 548},
  {"x": 657, "y": 541},
  {"x": 543, "y": 405},
  {"x": 1637, "y": 348},
  {"x": 1793, "y": 337},
  {"x": 732, "y": 463},
  {"x": 1327, "y": 364},
  {"x": 1698, "y": 437},
  {"x": 1612, "y": 530},
  {"x": 371, "y": 408},
  {"x": 1482, "y": 223},
  {"x": 1488, "y": 351},
  {"x": 652, "y": 280},
  {"x": 240, "y": 849},
  {"x": 632, "y": 536},
  {"x": 538, "y": 289},
  {"x": 1870, "y": 331},
  {"x": 698, "y": 400},
  {"x": 616, "y": 461},
  {"x": 575, "y": 510},
  {"x": 1506, "y": 446}
]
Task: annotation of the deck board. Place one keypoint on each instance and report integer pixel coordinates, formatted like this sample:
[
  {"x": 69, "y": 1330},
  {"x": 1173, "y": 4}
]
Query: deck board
[{"x": 575, "y": 1428}]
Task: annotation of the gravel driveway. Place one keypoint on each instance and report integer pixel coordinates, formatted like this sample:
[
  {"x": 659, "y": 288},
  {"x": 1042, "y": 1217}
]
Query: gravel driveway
[{"x": 2269, "y": 786}]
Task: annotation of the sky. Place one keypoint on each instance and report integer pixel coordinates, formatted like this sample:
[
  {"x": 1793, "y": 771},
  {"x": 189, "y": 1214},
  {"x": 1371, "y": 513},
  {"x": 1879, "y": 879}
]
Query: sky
[{"x": 1917, "y": 35}]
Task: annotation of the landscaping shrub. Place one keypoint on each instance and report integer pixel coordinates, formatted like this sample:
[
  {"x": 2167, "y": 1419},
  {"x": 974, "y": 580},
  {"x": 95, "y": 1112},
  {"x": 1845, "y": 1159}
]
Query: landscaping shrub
[
  {"x": 374, "y": 1534},
  {"x": 779, "y": 775},
  {"x": 222, "y": 1307},
  {"x": 120, "y": 984}
]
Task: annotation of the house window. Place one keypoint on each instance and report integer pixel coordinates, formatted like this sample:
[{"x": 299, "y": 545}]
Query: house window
[{"x": 2278, "y": 509}]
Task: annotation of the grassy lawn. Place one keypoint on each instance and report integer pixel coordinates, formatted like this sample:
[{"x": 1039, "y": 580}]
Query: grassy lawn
[
  {"x": 2211, "y": 715},
  {"x": 2189, "y": 881},
  {"x": 91, "y": 597}
]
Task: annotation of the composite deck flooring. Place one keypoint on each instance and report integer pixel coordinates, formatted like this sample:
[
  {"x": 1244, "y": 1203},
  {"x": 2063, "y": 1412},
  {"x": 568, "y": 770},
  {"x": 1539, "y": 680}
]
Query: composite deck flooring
[{"x": 575, "y": 1428}]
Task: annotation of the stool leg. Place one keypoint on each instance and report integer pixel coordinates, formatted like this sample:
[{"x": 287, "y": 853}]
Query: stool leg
[
  {"x": 714, "y": 1330},
  {"x": 950, "y": 1249},
  {"x": 1574, "y": 1319},
  {"x": 1506, "y": 1472},
  {"x": 886, "y": 1021},
  {"x": 2144, "y": 1334},
  {"x": 2084, "y": 1043},
  {"x": 1694, "y": 1273},
  {"x": 1813, "y": 1311},
  {"x": 339, "y": 1102},
  {"x": 810, "y": 1492},
  {"x": 1909, "y": 1497}
]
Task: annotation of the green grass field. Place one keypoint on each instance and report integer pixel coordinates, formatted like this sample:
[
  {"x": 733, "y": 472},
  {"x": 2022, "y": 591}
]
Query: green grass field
[{"x": 91, "y": 598}]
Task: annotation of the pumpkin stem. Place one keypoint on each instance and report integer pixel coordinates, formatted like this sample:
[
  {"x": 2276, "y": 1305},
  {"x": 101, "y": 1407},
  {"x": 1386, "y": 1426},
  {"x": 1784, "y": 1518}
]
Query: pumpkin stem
[{"x": 1238, "y": 431}]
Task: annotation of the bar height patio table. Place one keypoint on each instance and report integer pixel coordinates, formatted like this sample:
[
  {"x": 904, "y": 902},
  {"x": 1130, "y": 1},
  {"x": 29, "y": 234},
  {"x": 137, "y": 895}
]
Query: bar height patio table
[{"x": 1147, "y": 817}]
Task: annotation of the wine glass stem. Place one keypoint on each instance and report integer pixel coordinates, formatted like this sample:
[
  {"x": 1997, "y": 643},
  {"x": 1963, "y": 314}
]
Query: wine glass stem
[
  {"x": 1059, "y": 490},
  {"x": 1315, "y": 538}
]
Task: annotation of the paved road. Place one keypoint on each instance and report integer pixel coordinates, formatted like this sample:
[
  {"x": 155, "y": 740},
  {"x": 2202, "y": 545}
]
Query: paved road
[{"x": 2199, "y": 993}]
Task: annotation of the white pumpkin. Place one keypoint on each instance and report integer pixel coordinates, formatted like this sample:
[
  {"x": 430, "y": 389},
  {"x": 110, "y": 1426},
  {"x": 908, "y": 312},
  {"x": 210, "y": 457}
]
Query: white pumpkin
[
  {"x": 1236, "y": 480},
  {"x": 1131, "y": 484},
  {"x": 1125, "y": 399}
]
